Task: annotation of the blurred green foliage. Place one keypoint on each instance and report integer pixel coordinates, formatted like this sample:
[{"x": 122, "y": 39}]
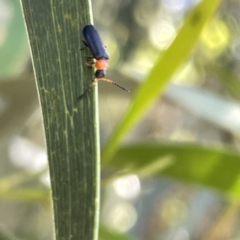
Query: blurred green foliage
[{"x": 193, "y": 51}]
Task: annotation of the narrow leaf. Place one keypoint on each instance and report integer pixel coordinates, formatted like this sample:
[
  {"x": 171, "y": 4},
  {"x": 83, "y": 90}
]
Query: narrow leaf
[
  {"x": 218, "y": 168},
  {"x": 161, "y": 73},
  {"x": 71, "y": 127},
  {"x": 107, "y": 234}
]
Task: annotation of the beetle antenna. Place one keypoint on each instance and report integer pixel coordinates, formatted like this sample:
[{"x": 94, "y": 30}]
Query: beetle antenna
[
  {"x": 89, "y": 88},
  {"x": 112, "y": 82},
  {"x": 95, "y": 82}
]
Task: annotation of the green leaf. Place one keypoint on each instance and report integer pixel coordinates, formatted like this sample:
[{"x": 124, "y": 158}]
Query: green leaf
[
  {"x": 71, "y": 127},
  {"x": 218, "y": 168},
  {"x": 161, "y": 73},
  {"x": 28, "y": 194},
  {"x": 107, "y": 234}
]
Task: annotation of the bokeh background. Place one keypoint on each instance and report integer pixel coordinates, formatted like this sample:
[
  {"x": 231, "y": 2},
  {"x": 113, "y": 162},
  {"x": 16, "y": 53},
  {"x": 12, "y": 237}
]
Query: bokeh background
[{"x": 201, "y": 105}]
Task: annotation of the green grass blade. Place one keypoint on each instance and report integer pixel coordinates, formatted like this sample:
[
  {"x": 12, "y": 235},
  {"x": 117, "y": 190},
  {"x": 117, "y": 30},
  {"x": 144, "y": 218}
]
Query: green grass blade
[
  {"x": 71, "y": 126},
  {"x": 161, "y": 73},
  {"x": 107, "y": 234},
  {"x": 26, "y": 194},
  {"x": 218, "y": 168}
]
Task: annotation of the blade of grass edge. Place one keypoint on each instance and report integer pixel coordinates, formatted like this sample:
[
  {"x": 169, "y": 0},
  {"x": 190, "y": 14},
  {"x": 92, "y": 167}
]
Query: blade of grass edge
[
  {"x": 71, "y": 126},
  {"x": 161, "y": 73}
]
